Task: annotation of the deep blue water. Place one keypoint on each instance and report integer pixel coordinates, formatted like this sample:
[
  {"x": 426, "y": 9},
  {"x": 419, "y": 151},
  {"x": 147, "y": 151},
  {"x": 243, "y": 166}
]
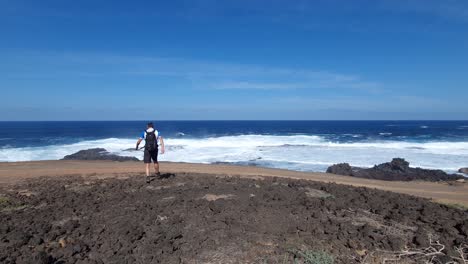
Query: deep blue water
[{"x": 32, "y": 134}]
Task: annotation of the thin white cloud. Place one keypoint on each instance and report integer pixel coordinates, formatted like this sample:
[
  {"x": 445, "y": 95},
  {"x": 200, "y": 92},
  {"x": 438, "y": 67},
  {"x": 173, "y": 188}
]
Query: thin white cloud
[
  {"x": 453, "y": 10},
  {"x": 257, "y": 86},
  {"x": 389, "y": 104},
  {"x": 201, "y": 74},
  {"x": 321, "y": 83},
  {"x": 247, "y": 76}
]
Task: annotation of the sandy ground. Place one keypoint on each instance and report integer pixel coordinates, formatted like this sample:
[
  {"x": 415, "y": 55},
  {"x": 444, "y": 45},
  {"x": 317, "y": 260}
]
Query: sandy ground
[{"x": 15, "y": 172}]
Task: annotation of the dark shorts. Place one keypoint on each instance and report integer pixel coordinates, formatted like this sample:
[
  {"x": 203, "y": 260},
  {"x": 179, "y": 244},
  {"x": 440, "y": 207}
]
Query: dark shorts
[{"x": 151, "y": 155}]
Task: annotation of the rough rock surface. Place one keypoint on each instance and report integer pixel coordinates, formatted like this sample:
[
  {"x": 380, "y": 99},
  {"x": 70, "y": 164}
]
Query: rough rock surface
[
  {"x": 463, "y": 170},
  {"x": 97, "y": 154},
  {"x": 196, "y": 218},
  {"x": 396, "y": 170}
]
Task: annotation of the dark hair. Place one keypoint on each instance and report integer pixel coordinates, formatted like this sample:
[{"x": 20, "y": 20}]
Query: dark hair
[{"x": 150, "y": 124}]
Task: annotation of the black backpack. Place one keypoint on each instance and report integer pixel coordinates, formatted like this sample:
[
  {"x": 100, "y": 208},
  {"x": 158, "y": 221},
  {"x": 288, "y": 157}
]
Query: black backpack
[{"x": 151, "y": 141}]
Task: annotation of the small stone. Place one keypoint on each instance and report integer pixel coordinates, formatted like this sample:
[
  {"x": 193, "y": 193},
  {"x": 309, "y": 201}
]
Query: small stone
[
  {"x": 361, "y": 252},
  {"x": 62, "y": 242},
  {"x": 162, "y": 218},
  {"x": 76, "y": 249},
  {"x": 35, "y": 240},
  {"x": 42, "y": 258},
  {"x": 421, "y": 240}
]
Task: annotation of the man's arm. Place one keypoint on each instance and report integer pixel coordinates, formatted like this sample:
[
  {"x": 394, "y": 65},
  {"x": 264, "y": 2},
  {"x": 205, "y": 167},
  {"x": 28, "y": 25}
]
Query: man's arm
[
  {"x": 138, "y": 143},
  {"x": 162, "y": 145}
]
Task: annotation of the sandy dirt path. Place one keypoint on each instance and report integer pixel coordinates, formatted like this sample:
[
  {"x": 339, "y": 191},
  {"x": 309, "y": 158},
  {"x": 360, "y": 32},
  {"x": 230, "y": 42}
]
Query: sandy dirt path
[{"x": 13, "y": 172}]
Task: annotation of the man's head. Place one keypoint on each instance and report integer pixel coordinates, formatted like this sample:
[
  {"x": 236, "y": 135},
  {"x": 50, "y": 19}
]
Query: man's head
[{"x": 150, "y": 125}]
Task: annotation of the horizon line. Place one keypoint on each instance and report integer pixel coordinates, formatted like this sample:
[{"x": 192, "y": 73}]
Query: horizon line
[{"x": 244, "y": 120}]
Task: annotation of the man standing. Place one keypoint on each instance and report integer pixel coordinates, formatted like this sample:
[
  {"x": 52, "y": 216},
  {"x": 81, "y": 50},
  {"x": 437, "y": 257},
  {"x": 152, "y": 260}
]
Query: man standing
[{"x": 151, "y": 137}]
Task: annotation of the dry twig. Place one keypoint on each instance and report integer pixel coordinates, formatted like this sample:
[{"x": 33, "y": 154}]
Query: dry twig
[
  {"x": 463, "y": 251},
  {"x": 435, "y": 248}
]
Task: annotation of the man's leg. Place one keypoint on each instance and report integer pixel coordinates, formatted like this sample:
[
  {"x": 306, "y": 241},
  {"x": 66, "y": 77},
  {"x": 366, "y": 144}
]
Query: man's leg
[
  {"x": 147, "y": 160},
  {"x": 154, "y": 156},
  {"x": 156, "y": 167},
  {"x": 147, "y": 169}
]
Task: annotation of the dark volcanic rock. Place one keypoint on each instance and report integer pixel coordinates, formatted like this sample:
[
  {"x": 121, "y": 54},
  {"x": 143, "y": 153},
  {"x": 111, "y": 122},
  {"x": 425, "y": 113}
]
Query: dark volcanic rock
[
  {"x": 97, "y": 154},
  {"x": 197, "y": 218},
  {"x": 42, "y": 258},
  {"x": 341, "y": 169},
  {"x": 463, "y": 170},
  {"x": 396, "y": 170}
]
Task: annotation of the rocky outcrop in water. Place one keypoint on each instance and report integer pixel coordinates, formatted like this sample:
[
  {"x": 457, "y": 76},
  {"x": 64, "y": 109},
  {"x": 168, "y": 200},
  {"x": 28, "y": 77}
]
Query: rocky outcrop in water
[
  {"x": 396, "y": 170},
  {"x": 463, "y": 170},
  {"x": 97, "y": 154}
]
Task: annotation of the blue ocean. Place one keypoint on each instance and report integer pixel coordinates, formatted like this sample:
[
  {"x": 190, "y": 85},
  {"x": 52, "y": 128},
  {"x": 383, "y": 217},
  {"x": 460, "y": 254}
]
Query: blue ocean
[{"x": 295, "y": 145}]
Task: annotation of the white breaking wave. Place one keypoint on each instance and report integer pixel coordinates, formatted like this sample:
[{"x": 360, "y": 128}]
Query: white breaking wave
[
  {"x": 55, "y": 152},
  {"x": 296, "y": 152},
  {"x": 385, "y": 134}
]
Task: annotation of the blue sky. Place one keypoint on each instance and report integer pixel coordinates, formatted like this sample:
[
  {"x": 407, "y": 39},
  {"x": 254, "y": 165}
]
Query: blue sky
[{"x": 242, "y": 59}]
